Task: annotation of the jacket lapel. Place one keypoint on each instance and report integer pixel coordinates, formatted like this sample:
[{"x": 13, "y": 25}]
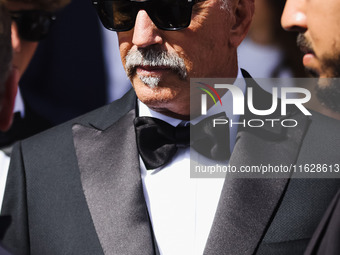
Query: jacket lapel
[
  {"x": 110, "y": 175},
  {"x": 247, "y": 205}
]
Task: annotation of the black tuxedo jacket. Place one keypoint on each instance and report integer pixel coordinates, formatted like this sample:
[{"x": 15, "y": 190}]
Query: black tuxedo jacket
[
  {"x": 326, "y": 237},
  {"x": 76, "y": 188}
]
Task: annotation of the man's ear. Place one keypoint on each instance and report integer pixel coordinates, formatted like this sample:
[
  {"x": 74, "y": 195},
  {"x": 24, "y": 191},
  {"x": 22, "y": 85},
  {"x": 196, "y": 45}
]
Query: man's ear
[
  {"x": 16, "y": 42},
  {"x": 243, "y": 11},
  {"x": 8, "y": 100}
]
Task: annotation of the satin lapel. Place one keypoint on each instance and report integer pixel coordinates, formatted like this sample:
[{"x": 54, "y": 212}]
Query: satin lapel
[
  {"x": 247, "y": 206},
  {"x": 110, "y": 175}
]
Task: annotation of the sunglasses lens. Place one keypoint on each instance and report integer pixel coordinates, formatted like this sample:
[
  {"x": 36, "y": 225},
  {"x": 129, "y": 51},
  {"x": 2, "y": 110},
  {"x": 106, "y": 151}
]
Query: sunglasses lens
[
  {"x": 171, "y": 15},
  {"x": 33, "y": 25},
  {"x": 117, "y": 15},
  {"x": 120, "y": 15}
]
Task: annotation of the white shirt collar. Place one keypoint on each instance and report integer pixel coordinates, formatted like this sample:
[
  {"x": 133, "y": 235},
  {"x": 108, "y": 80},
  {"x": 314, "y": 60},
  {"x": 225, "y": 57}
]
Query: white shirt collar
[
  {"x": 19, "y": 104},
  {"x": 147, "y": 112}
]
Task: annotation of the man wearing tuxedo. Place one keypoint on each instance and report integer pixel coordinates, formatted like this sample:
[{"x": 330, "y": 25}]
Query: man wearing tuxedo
[
  {"x": 89, "y": 187},
  {"x": 20, "y": 28},
  {"x": 30, "y": 22},
  {"x": 318, "y": 25}
]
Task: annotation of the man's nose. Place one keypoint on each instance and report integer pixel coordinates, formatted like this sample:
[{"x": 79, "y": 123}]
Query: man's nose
[
  {"x": 145, "y": 32},
  {"x": 294, "y": 17}
]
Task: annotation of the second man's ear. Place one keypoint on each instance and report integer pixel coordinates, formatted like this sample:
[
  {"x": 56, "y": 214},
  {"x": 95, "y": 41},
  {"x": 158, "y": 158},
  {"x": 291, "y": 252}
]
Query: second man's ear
[{"x": 243, "y": 12}]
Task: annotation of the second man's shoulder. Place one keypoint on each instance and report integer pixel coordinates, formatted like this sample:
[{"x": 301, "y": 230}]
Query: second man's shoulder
[{"x": 100, "y": 119}]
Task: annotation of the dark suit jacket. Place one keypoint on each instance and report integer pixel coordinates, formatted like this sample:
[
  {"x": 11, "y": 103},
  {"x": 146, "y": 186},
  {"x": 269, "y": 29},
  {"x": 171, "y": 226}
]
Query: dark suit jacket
[
  {"x": 4, "y": 223},
  {"x": 325, "y": 240},
  {"x": 76, "y": 189},
  {"x": 23, "y": 128}
]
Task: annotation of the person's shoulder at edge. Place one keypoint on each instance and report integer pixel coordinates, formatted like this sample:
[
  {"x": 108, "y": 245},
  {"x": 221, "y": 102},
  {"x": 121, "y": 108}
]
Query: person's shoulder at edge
[{"x": 109, "y": 113}]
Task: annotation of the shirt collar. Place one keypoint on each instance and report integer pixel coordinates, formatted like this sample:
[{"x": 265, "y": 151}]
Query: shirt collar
[
  {"x": 147, "y": 112},
  {"x": 19, "y": 104}
]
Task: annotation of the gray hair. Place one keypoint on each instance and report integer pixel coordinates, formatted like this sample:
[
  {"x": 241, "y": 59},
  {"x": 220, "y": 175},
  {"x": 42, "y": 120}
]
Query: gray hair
[{"x": 5, "y": 46}]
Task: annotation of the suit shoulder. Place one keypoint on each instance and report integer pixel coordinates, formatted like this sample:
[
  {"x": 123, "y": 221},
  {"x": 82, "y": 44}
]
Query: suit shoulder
[
  {"x": 101, "y": 118},
  {"x": 325, "y": 128}
]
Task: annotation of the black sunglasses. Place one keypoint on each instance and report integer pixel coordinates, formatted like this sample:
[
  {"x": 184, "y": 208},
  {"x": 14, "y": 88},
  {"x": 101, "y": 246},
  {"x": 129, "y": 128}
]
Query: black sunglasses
[
  {"x": 33, "y": 25},
  {"x": 120, "y": 15}
]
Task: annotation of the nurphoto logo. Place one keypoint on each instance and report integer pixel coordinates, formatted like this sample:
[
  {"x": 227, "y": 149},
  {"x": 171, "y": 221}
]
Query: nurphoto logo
[{"x": 241, "y": 100}]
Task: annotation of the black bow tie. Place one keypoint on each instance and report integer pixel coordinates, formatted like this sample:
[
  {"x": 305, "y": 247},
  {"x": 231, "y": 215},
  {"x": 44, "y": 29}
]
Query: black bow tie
[{"x": 158, "y": 141}]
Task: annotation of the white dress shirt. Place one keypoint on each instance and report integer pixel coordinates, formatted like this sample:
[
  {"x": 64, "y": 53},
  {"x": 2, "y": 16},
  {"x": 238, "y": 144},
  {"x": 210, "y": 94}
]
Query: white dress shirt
[
  {"x": 181, "y": 208},
  {"x": 19, "y": 104},
  {"x": 4, "y": 164}
]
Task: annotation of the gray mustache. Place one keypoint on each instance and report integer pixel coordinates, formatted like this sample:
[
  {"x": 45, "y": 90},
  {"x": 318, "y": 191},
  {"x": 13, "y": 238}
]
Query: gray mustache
[{"x": 154, "y": 57}]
